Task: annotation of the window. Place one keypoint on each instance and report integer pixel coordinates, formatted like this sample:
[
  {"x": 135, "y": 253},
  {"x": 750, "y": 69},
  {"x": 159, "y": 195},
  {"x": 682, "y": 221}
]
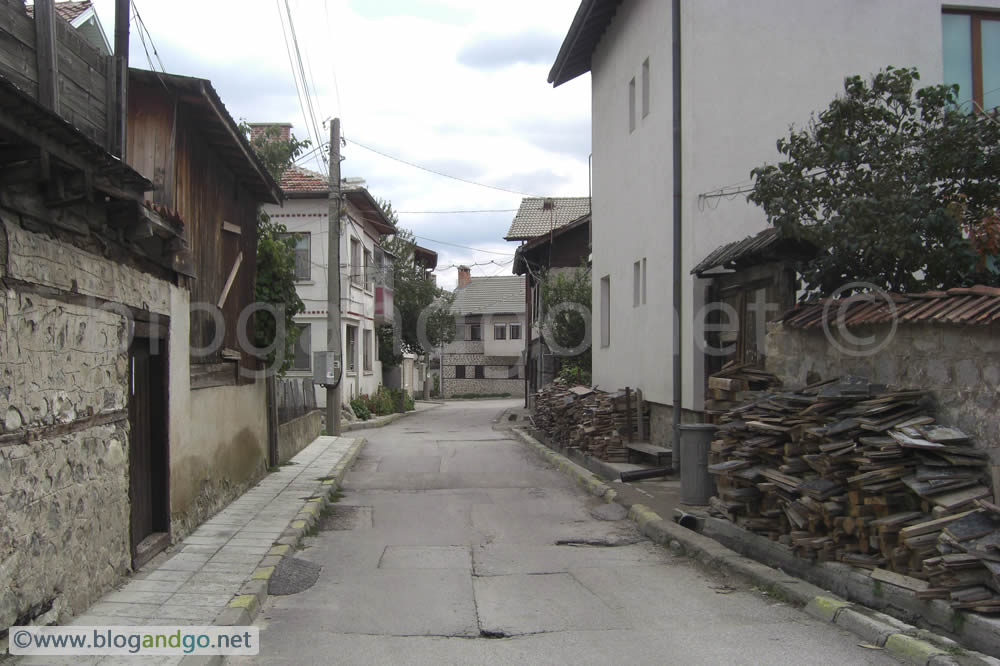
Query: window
[
  {"x": 499, "y": 331},
  {"x": 515, "y": 331},
  {"x": 631, "y": 105},
  {"x": 475, "y": 333},
  {"x": 459, "y": 372},
  {"x": 302, "y": 257},
  {"x": 644, "y": 280},
  {"x": 351, "y": 349},
  {"x": 971, "y": 56},
  {"x": 480, "y": 372},
  {"x": 356, "y": 262},
  {"x": 369, "y": 271},
  {"x": 606, "y": 311},
  {"x": 368, "y": 349},
  {"x": 303, "y": 349},
  {"x": 645, "y": 88},
  {"x": 636, "y": 284}
]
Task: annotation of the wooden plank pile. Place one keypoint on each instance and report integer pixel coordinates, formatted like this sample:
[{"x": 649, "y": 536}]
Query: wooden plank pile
[
  {"x": 734, "y": 385},
  {"x": 595, "y": 421},
  {"x": 851, "y": 471}
]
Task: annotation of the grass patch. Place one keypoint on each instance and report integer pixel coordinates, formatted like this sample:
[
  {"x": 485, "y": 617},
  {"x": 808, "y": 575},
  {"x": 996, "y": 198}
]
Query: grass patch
[
  {"x": 957, "y": 621},
  {"x": 877, "y": 588}
]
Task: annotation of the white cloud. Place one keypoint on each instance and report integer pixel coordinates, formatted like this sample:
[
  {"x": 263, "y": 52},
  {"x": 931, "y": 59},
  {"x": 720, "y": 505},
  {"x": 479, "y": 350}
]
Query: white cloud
[{"x": 393, "y": 71}]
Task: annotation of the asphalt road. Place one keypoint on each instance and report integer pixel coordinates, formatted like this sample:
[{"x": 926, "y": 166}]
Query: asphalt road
[{"x": 443, "y": 550}]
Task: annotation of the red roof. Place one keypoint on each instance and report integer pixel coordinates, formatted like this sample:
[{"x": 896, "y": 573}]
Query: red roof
[
  {"x": 68, "y": 10},
  {"x": 297, "y": 179},
  {"x": 977, "y": 306}
]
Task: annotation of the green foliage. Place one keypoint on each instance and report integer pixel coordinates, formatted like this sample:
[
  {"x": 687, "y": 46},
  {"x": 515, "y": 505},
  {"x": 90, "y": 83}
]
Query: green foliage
[
  {"x": 360, "y": 407},
  {"x": 573, "y": 374},
  {"x": 383, "y": 402},
  {"x": 408, "y": 403},
  {"x": 568, "y": 328},
  {"x": 275, "y": 282},
  {"x": 413, "y": 292},
  {"x": 897, "y": 187}
]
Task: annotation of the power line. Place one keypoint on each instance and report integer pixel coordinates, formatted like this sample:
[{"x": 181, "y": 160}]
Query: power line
[
  {"x": 455, "y": 212},
  {"x": 435, "y": 172},
  {"x": 466, "y": 247},
  {"x": 141, "y": 25}
]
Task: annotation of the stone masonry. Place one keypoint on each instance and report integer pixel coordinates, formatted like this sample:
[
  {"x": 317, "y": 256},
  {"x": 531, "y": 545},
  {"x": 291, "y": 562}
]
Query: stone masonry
[{"x": 960, "y": 365}]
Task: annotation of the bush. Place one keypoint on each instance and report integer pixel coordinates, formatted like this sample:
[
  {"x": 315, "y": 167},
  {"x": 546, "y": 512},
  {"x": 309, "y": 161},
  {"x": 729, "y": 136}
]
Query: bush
[
  {"x": 574, "y": 374},
  {"x": 408, "y": 403},
  {"x": 360, "y": 408}
]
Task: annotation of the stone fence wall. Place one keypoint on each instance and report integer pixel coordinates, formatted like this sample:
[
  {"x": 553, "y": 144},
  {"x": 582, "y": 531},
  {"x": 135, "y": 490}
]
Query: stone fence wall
[{"x": 960, "y": 365}]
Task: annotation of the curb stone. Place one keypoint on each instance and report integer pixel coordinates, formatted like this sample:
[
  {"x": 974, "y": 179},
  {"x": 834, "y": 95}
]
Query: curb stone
[
  {"x": 389, "y": 419},
  {"x": 242, "y": 610},
  {"x": 905, "y": 642}
]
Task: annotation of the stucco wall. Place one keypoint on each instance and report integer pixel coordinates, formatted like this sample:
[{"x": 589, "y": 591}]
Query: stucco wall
[
  {"x": 224, "y": 454},
  {"x": 960, "y": 365},
  {"x": 749, "y": 70}
]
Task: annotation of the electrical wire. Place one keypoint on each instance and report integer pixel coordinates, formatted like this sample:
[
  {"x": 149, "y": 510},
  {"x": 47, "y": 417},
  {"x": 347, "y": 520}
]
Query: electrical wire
[
  {"x": 455, "y": 212},
  {"x": 142, "y": 28},
  {"x": 465, "y": 247},
  {"x": 435, "y": 172},
  {"x": 317, "y": 135}
]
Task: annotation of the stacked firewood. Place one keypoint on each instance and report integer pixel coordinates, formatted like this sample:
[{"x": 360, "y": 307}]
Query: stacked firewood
[
  {"x": 850, "y": 471},
  {"x": 733, "y": 385},
  {"x": 594, "y": 421}
]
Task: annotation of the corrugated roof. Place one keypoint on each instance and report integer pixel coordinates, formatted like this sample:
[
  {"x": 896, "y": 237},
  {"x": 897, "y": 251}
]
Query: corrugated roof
[
  {"x": 534, "y": 219},
  {"x": 68, "y": 10},
  {"x": 490, "y": 295},
  {"x": 977, "y": 306}
]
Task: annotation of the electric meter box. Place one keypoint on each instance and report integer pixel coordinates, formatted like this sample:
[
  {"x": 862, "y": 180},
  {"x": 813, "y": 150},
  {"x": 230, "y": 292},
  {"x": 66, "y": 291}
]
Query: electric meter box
[{"x": 326, "y": 368}]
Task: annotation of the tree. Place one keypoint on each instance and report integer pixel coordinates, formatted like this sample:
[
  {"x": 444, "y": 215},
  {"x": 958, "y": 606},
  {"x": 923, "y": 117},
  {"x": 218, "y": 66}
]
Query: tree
[
  {"x": 275, "y": 282},
  {"x": 413, "y": 293},
  {"x": 899, "y": 188},
  {"x": 567, "y": 294}
]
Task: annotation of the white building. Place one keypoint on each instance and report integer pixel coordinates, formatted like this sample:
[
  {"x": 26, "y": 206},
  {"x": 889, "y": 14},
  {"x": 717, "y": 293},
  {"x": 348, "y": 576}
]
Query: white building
[
  {"x": 485, "y": 358},
  {"x": 748, "y": 70},
  {"x": 365, "y": 276}
]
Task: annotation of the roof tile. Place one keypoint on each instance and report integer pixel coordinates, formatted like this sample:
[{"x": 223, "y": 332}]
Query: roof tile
[
  {"x": 533, "y": 219},
  {"x": 490, "y": 295}
]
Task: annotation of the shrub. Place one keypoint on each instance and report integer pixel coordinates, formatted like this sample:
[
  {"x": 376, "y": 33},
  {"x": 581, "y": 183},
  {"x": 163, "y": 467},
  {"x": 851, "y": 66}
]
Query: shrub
[{"x": 360, "y": 408}]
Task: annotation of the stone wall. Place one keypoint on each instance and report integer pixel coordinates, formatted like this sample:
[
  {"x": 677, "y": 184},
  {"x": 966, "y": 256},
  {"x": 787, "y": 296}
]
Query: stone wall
[
  {"x": 64, "y": 432},
  {"x": 498, "y": 376},
  {"x": 959, "y": 364}
]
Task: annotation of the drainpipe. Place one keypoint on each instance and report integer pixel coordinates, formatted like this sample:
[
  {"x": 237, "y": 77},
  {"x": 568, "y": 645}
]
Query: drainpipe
[{"x": 677, "y": 277}]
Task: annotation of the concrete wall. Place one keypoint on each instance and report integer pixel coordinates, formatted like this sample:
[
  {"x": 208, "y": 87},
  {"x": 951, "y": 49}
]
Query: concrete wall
[
  {"x": 298, "y": 433},
  {"x": 960, "y": 365},
  {"x": 64, "y": 430},
  {"x": 749, "y": 70}
]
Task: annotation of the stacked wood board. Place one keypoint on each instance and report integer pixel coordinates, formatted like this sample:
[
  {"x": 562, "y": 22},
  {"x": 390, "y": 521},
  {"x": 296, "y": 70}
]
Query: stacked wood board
[
  {"x": 733, "y": 385},
  {"x": 595, "y": 421},
  {"x": 851, "y": 471}
]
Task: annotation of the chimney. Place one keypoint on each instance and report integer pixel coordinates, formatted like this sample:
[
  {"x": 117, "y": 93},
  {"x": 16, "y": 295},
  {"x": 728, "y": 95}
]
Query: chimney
[
  {"x": 260, "y": 129},
  {"x": 464, "y": 276}
]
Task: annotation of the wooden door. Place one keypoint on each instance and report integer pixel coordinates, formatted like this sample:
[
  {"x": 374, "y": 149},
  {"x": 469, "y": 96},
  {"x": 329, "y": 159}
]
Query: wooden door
[{"x": 148, "y": 459}]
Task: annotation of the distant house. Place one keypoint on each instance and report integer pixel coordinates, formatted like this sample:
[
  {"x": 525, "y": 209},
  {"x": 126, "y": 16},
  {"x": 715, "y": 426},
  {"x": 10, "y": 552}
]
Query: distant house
[
  {"x": 747, "y": 70},
  {"x": 555, "y": 235},
  {"x": 83, "y": 17},
  {"x": 365, "y": 273},
  {"x": 485, "y": 357}
]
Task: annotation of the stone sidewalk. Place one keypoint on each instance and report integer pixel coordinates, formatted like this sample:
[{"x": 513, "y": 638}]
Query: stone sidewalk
[{"x": 195, "y": 582}]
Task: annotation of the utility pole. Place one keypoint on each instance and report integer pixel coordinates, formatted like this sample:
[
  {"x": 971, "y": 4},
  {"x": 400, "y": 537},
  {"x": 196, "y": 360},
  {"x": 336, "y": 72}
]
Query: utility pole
[
  {"x": 119, "y": 109},
  {"x": 333, "y": 393}
]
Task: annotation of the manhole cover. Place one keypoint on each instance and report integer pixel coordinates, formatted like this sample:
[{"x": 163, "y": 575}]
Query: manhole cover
[
  {"x": 345, "y": 517},
  {"x": 292, "y": 576}
]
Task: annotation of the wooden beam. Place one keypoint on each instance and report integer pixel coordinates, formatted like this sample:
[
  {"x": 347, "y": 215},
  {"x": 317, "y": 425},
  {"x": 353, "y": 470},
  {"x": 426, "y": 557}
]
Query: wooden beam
[
  {"x": 232, "y": 278},
  {"x": 46, "y": 54}
]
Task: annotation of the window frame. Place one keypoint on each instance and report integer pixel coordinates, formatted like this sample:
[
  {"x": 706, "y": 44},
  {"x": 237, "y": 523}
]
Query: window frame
[
  {"x": 631, "y": 105},
  {"x": 305, "y": 334},
  {"x": 356, "y": 259},
  {"x": 513, "y": 328},
  {"x": 480, "y": 372},
  {"x": 307, "y": 236},
  {"x": 637, "y": 284},
  {"x": 474, "y": 337},
  {"x": 351, "y": 350},
  {"x": 976, "y": 16},
  {"x": 645, "y": 88},
  {"x": 502, "y": 329},
  {"x": 368, "y": 360},
  {"x": 459, "y": 372},
  {"x": 605, "y": 311}
]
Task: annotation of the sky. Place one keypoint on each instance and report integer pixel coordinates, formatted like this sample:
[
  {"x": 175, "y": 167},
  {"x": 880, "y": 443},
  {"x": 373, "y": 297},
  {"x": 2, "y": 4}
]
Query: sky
[{"x": 457, "y": 86}]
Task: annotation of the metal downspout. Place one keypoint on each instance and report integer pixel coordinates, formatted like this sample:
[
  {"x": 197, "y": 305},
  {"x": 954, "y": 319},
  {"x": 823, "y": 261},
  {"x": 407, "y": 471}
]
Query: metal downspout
[{"x": 677, "y": 273}]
